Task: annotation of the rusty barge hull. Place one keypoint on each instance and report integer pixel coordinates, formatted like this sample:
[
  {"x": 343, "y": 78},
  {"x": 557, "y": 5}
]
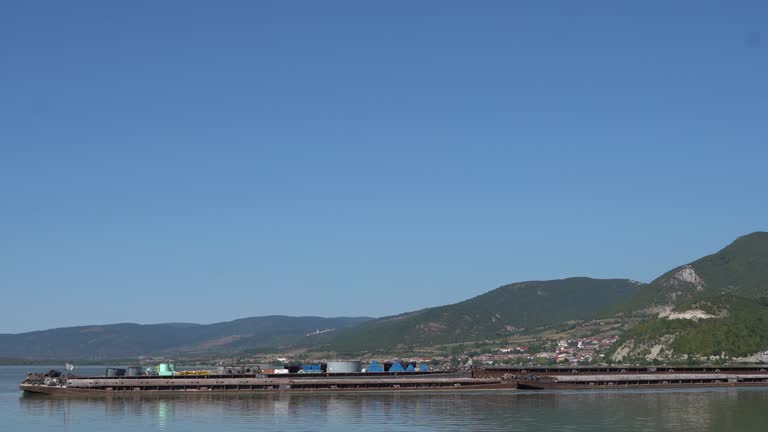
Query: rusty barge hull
[{"x": 142, "y": 385}]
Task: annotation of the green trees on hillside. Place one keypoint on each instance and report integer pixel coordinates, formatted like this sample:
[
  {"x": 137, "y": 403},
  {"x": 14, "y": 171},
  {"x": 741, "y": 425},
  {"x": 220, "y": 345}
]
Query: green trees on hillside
[{"x": 742, "y": 332}]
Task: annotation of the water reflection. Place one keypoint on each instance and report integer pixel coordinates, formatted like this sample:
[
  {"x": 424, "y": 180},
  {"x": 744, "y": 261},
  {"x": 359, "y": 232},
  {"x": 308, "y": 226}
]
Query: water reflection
[{"x": 700, "y": 410}]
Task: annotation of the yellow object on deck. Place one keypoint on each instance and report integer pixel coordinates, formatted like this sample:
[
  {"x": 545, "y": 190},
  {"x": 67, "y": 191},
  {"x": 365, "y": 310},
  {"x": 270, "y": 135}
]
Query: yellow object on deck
[{"x": 195, "y": 372}]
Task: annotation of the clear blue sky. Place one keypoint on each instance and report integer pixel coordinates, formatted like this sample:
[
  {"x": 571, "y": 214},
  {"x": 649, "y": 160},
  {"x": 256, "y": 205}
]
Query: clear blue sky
[{"x": 184, "y": 161}]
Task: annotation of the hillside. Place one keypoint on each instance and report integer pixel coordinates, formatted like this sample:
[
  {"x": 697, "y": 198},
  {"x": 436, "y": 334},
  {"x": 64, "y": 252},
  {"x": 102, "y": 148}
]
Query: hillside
[
  {"x": 502, "y": 312},
  {"x": 130, "y": 340},
  {"x": 714, "y": 306}
]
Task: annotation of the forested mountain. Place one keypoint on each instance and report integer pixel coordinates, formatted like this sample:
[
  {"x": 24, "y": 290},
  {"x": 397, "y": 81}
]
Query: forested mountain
[
  {"x": 130, "y": 340},
  {"x": 495, "y": 314}
]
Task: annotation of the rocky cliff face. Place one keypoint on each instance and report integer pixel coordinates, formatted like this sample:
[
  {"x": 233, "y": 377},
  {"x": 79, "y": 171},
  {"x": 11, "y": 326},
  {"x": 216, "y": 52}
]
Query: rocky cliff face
[{"x": 740, "y": 269}]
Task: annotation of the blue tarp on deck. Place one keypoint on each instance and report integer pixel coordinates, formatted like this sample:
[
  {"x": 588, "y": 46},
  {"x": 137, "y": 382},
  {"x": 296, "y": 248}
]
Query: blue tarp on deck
[{"x": 375, "y": 367}]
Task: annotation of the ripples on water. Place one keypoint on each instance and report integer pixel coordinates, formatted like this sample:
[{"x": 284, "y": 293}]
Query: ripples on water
[{"x": 642, "y": 410}]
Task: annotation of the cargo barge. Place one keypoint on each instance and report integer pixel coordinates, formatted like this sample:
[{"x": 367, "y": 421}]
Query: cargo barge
[{"x": 257, "y": 383}]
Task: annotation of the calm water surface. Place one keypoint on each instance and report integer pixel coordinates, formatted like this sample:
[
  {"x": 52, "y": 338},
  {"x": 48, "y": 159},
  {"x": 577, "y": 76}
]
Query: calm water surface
[{"x": 641, "y": 410}]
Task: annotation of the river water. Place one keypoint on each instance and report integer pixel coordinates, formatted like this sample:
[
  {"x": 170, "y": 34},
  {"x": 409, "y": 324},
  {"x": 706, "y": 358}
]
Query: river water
[{"x": 743, "y": 409}]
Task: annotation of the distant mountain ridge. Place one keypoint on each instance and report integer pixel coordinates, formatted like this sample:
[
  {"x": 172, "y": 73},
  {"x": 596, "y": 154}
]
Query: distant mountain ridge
[{"x": 131, "y": 340}]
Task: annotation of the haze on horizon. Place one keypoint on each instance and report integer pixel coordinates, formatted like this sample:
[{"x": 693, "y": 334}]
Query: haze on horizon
[{"x": 350, "y": 159}]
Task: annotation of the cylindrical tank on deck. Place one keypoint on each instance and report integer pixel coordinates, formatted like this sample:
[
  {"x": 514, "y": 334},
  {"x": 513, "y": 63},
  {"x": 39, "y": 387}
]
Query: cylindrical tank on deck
[
  {"x": 134, "y": 371},
  {"x": 345, "y": 366},
  {"x": 115, "y": 372}
]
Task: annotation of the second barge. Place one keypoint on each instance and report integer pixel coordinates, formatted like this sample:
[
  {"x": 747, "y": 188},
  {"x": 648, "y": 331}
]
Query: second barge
[{"x": 593, "y": 382}]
